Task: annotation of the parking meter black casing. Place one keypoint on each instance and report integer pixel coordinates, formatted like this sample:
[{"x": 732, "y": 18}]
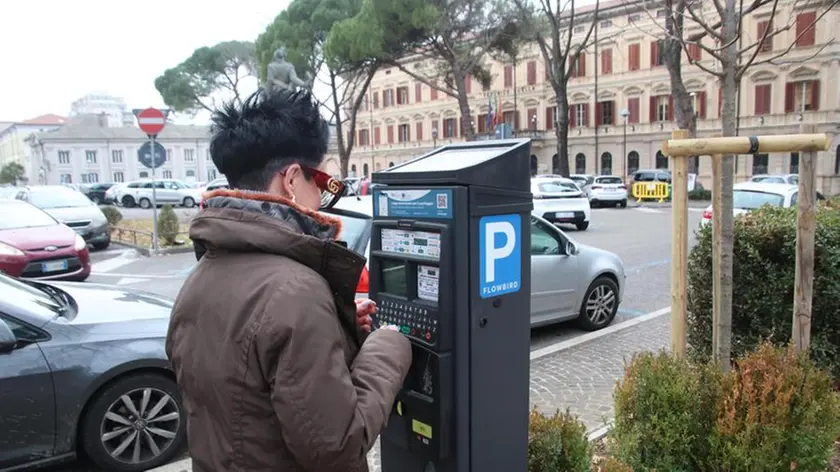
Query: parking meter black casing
[{"x": 450, "y": 264}]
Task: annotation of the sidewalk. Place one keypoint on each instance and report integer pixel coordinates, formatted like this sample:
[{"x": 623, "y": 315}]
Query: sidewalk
[{"x": 581, "y": 377}]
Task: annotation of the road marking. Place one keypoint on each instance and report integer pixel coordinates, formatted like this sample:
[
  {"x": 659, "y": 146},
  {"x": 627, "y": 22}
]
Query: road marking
[
  {"x": 577, "y": 341},
  {"x": 647, "y": 265},
  {"x": 649, "y": 210},
  {"x": 130, "y": 280},
  {"x": 124, "y": 258},
  {"x": 112, "y": 274}
]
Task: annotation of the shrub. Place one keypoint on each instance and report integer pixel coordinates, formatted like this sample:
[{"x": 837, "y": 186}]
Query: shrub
[
  {"x": 664, "y": 413},
  {"x": 558, "y": 443},
  {"x": 614, "y": 465},
  {"x": 700, "y": 194},
  {"x": 112, "y": 215},
  {"x": 168, "y": 225},
  {"x": 778, "y": 413},
  {"x": 763, "y": 276}
]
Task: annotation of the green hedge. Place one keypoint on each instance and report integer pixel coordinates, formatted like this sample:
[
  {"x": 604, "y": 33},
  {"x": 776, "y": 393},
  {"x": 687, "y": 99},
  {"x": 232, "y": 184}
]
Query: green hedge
[{"x": 763, "y": 275}]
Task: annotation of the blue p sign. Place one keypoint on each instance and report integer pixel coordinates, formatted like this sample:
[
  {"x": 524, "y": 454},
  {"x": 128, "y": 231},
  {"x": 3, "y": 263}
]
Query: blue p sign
[{"x": 500, "y": 255}]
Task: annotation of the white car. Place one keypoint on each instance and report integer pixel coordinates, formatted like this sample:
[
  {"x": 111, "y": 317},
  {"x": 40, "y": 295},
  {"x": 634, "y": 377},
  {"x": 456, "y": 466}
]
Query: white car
[
  {"x": 748, "y": 196},
  {"x": 560, "y": 200},
  {"x": 792, "y": 179},
  {"x": 166, "y": 191},
  {"x": 607, "y": 190}
]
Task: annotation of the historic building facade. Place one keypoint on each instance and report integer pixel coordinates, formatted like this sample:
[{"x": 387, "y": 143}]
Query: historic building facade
[{"x": 623, "y": 87}]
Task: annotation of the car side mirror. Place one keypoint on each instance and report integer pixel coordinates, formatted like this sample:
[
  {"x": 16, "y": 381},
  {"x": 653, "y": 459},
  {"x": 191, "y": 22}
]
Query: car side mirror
[
  {"x": 8, "y": 340},
  {"x": 571, "y": 248}
]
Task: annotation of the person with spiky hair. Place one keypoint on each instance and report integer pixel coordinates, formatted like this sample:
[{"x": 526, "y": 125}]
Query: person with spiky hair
[{"x": 268, "y": 345}]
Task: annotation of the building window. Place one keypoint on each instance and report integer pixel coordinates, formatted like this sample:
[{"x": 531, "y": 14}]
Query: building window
[
  {"x": 63, "y": 157},
  {"x": 390, "y": 164},
  {"x": 508, "y": 76},
  {"x": 606, "y": 113},
  {"x": 169, "y": 154},
  {"x": 580, "y": 29},
  {"x": 763, "y": 97},
  {"x": 634, "y": 18},
  {"x": 119, "y": 177},
  {"x": 794, "y": 163},
  {"x": 767, "y": 44},
  {"x": 167, "y": 174},
  {"x": 189, "y": 155},
  {"x": 387, "y": 98},
  {"x": 90, "y": 157},
  {"x": 661, "y": 160},
  {"x": 353, "y": 170},
  {"x": 760, "y": 163},
  {"x": 191, "y": 173},
  {"x": 806, "y": 29},
  {"x": 632, "y": 162},
  {"x": 90, "y": 178},
  {"x": 365, "y": 170},
  {"x": 606, "y": 24},
  {"x": 580, "y": 114},
  {"x": 207, "y": 154},
  {"x": 657, "y": 48},
  {"x": 606, "y": 164},
  {"x": 661, "y": 13},
  {"x": 580, "y": 164},
  {"x": 364, "y": 137},
  {"x": 805, "y": 95},
  {"x": 662, "y": 108},
  {"x": 117, "y": 156},
  {"x": 68, "y": 178},
  {"x": 449, "y": 128},
  {"x": 402, "y": 96},
  {"x": 145, "y": 175},
  {"x": 403, "y": 133}
]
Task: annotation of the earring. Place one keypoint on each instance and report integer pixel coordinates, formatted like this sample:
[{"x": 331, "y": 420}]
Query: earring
[{"x": 293, "y": 198}]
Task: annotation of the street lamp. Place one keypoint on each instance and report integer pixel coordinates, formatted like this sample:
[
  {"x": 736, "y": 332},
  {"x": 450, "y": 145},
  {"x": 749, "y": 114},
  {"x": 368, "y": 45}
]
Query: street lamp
[
  {"x": 625, "y": 113},
  {"x": 534, "y": 122},
  {"x": 434, "y": 137}
]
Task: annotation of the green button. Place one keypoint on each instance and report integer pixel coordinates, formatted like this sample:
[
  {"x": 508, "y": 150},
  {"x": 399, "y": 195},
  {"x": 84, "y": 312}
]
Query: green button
[{"x": 404, "y": 329}]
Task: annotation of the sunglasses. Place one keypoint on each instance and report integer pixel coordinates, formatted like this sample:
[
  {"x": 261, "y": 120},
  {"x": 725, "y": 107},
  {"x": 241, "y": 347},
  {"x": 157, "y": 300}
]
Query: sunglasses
[{"x": 331, "y": 188}]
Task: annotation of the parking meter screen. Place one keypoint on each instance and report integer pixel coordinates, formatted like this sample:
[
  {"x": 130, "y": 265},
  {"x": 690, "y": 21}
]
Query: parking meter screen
[{"x": 394, "y": 279}]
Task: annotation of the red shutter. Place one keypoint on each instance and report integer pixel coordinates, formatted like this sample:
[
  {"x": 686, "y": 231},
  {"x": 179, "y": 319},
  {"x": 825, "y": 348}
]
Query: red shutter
[
  {"x": 694, "y": 52},
  {"x": 582, "y": 62},
  {"x": 613, "y": 107},
  {"x": 572, "y": 67},
  {"x": 701, "y": 105},
  {"x": 815, "y": 95},
  {"x": 670, "y": 108},
  {"x": 433, "y": 93},
  {"x": 508, "y": 76},
  {"x": 390, "y": 134},
  {"x": 549, "y": 118},
  {"x": 759, "y": 100},
  {"x": 419, "y": 131},
  {"x": 468, "y": 84},
  {"x": 418, "y": 92},
  {"x": 633, "y": 108},
  {"x": 634, "y": 56},
  {"x": 654, "y": 50},
  {"x": 806, "y": 32},
  {"x": 767, "y": 45},
  {"x": 586, "y": 121},
  {"x": 599, "y": 118},
  {"x": 790, "y": 97},
  {"x": 653, "y": 109},
  {"x": 572, "y": 116},
  {"x": 361, "y": 140},
  {"x": 375, "y": 99},
  {"x": 606, "y": 61},
  {"x": 532, "y": 113},
  {"x": 532, "y": 72},
  {"x": 377, "y": 138}
]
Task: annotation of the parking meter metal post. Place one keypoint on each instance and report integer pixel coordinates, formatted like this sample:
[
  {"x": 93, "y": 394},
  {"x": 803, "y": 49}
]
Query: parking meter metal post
[{"x": 450, "y": 264}]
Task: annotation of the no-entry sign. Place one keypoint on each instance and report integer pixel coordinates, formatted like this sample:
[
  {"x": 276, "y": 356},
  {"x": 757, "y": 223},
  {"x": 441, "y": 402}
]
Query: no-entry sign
[{"x": 151, "y": 121}]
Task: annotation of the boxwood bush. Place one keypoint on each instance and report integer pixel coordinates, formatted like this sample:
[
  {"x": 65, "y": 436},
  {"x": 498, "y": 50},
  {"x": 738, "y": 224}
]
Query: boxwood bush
[{"x": 764, "y": 267}]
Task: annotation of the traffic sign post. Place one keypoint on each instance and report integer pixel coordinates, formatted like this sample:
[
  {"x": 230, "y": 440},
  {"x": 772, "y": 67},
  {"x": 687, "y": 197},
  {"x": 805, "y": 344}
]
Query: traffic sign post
[{"x": 152, "y": 121}]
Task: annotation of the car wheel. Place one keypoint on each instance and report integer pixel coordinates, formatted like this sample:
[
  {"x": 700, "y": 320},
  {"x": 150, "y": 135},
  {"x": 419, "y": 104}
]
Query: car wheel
[
  {"x": 102, "y": 246},
  {"x": 582, "y": 226},
  {"x": 189, "y": 202},
  {"x": 599, "y": 304},
  {"x": 622, "y": 204},
  {"x": 96, "y": 200},
  {"x": 128, "y": 201},
  {"x": 145, "y": 203},
  {"x": 135, "y": 424}
]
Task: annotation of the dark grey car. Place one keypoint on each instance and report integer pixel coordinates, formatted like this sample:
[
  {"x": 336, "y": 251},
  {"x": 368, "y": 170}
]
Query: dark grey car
[{"x": 83, "y": 369}]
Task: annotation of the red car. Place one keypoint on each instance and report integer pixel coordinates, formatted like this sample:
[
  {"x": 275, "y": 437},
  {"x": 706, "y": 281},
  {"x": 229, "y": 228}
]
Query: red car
[{"x": 34, "y": 245}]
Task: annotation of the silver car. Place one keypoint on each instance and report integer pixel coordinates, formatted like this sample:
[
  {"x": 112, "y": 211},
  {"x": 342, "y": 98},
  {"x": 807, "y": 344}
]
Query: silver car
[
  {"x": 72, "y": 208},
  {"x": 569, "y": 280}
]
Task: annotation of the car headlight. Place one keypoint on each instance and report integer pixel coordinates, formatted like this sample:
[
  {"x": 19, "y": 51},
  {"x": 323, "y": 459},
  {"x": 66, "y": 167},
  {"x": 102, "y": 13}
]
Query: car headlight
[
  {"x": 7, "y": 250},
  {"x": 80, "y": 243}
]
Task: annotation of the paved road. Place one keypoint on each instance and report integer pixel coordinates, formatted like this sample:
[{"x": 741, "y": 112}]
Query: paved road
[{"x": 581, "y": 377}]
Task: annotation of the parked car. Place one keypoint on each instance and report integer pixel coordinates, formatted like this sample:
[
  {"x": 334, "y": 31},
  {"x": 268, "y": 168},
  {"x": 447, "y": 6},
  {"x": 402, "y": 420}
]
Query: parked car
[
  {"x": 216, "y": 184},
  {"x": 582, "y": 180},
  {"x": 174, "y": 192},
  {"x": 748, "y": 196},
  {"x": 561, "y": 201},
  {"x": 73, "y": 209},
  {"x": 34, "y": 245},
  {"x": 607, "y": 190},
  {"x": 96, "y": 192},
  {"x": 652, "y": 175},
  {"x": 110, "y": 196},
  {"x": 791, "y": 179},
  {"x": 569, "y": 280},
  {"x": 85, "y": 371},
  {"x": 9, "y": 193}
]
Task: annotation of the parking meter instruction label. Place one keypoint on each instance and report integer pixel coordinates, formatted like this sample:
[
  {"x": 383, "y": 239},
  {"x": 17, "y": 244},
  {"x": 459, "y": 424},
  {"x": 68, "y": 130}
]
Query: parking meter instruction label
[
  {"x": 413, "y": 203},
  {"x": 500, "y": 255},
  {"x": 418, "y": 243},
  {"x": 428, "y": 283}
]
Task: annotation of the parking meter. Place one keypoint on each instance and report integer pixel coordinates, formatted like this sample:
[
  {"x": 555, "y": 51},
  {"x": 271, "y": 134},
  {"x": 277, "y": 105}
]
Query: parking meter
[{"x": 450, "y": 264}]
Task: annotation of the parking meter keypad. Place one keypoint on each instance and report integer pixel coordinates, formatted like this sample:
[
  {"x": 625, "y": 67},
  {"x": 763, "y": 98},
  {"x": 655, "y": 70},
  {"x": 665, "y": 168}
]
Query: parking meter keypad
[{"x": 417, "y": 322}]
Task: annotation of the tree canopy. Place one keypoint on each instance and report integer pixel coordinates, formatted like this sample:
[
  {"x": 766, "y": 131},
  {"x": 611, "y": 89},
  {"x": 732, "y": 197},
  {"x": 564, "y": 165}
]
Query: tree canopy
[
  {"x": 11, "y": 173},
  {"x": 190, "y": 86}
]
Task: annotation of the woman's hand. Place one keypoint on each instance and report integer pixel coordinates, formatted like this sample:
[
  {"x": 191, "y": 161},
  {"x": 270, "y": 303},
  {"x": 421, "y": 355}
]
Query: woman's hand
[{"x": 364, "y": 309}]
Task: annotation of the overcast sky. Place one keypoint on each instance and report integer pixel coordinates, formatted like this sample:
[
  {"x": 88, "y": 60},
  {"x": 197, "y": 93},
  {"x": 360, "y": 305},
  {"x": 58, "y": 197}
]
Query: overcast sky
[{"x": 55, "y": 51}]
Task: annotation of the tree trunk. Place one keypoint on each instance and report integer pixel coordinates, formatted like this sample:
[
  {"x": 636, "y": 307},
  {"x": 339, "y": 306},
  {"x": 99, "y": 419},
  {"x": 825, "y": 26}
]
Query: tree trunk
[
  {"x": 467, "y": 129},
  {"x": 729, "y": 84},
  {"x": 343, "y": 148},
  {"x": 561, "y": 131},
  {"x": 684, "y": 110}
]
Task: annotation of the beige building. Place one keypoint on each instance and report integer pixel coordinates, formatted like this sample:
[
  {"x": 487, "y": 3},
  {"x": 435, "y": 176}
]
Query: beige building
[
  {"x": 407, "y": 118},
  {"x": 13, "y": 147}
]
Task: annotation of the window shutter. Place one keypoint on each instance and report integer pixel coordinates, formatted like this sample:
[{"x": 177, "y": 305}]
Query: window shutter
[
  {"x": 361, "y": 140},
  {"x": 508, "y": 76},
  {"x": 586, "y": 121},
  {"x": 433, "y": 93},
  {"x": 468, "y": 84},
  {"x": 815, "y": 95},
  {"x": 653, "y": 114},
  {"x": 613, "y": 108},
  {"x": 532, "y": 72},
  {"x": 572, "y": 116},
  {"x": 572, "y": 67},
  {"x": 549, "y": 117},
  {"x": 599, "y": 111},
  {"x": 701, "y": 105},
  {"x": 633, "y": 108},
  {"x": 805, "y": 29},
  {"x": 759, "y": 100},
  {"x": 582, "y": 63},
  {"x": 390, "y": 134},
  {"x": 767, "y": 45},
  {"x": 670, "y": 108},
  {"x": 419, "y": 131},
  {"x": 377, "y": 136},
  {"x": 635, "y": 49},
  {"x": 418, "y": 92},
  {"x": 790, "y": 97},
  {"x": 532, "y": 113},
  {"x": 654, "y": 49},
  {"x": 606, "y": 61},
  {"x": 375, "y": 99}
]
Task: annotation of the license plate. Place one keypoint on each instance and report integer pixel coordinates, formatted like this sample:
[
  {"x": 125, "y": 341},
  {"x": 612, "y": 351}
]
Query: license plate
[
  {"x": 54, "y": 266},
  {"x": 564, "y": 215}
]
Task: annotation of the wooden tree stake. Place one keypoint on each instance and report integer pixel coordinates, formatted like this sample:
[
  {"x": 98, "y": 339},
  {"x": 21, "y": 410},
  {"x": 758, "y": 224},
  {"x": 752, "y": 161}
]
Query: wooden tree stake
[
  {"x": 679, "y": 247},
  {"x": 806, "y": 227}
]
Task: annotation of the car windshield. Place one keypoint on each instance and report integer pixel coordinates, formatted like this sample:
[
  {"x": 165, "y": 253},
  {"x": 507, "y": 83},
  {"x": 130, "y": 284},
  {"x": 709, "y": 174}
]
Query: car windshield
[
  {"x": 20, "y": 215},
  {"x": 769, "y": 180},
  {"x": 49, "y": 199},
  {"x": 39, "y": 299},
  {"x": 752, "y": 199},
  {"x": 557, "y": 186},
  {"x": 608, "y": 180}
]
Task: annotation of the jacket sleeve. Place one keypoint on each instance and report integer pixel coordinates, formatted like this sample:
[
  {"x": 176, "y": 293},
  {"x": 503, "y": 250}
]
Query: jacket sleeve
[{"x": 330, "y": 414}]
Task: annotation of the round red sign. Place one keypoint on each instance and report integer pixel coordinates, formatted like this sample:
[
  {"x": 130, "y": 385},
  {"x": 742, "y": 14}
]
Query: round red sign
[{"x": 151, "y": 121}]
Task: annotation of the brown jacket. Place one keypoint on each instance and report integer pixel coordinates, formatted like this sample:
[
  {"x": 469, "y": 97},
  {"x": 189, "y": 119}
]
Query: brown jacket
[{"x": 265, "y": 347}]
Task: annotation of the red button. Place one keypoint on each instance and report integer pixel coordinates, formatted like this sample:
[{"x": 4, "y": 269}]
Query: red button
[
  {"x": 413, "y": 331},
  {"x": 428, "y": 335}
]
